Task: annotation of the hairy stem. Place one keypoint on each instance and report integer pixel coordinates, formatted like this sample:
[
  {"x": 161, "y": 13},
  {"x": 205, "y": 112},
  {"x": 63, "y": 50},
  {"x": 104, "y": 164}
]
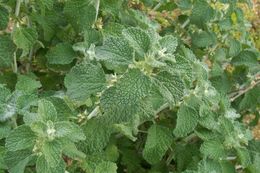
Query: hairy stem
[
  {"x": 246, "y": 89},
  {"x": 17, "y": 8},
  {"x": 157, "y": 6},
  {"x": 13, "y": 119},
  {"x": 97, "y": 4},
  {"x": 94, "y": 113},
  {"x": 15, "y": 68}
]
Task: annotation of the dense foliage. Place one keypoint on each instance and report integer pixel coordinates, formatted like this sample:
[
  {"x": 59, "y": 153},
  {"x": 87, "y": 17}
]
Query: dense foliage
[{"x": 136, "y": 86}]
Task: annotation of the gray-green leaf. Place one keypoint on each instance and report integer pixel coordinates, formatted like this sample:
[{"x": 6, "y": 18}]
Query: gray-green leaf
[
  {"x": 84, "y": 80},
  {"x": 20, "y": 138},
  {"x": 25, "y": 38},
  {"x": 46, "y": 111},
  {"x": 62, "y": 53},
  {"x": 158, "y": 141}
]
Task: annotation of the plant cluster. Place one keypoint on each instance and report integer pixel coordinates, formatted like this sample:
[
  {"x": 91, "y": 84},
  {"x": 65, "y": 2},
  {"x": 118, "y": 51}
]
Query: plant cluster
[{"x": 136, "y": 86}]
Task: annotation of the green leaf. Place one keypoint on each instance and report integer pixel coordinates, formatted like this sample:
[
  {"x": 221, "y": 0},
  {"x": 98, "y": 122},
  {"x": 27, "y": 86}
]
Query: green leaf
[
  {"x": 69, "y": 130},
  {"x": 201, "y": 13},
  {"x": 109, "y": 167},
  {"x": 47, "y": 3},
  {"x": 80, "y": 13},
  {"x": 46, "y": 111},
  {"x": 122, "y": 101},
  {"x": 250, "y": 100},
  {"x": 20, "y": 138},
  {"x": 16, "y": 161},
  {"x": 138, "y": 39},
  {"x": 187, "y": 119},
  {"x": 42, "y": 166},
  {"x": 84, "y": 80},
  {"x": 5, "y": 129},
  {"x": 27, "y": 84},
  {"x": 7, "y": 49},
  {"x": 49, "y": 23},
  {"x": 246, "y": 58},
  {"x": 234, "y": 47},
  {"x": 2, "y": 154},
  {"x": 213, "y": 149},
  {"x": 125, "y": 130},
  {"x": 4, "y": 18},
  {"x": 96, "y": 137},
  {"x": 8, "y": 108},
  {"x": 52, "y": 151},
  {"x": 71, "y": 151},
  {"x": 158, "y": 141},
  {"x": 116, "y": 53},
  {"x": 4, "y": 93},
  {"x": 170, "y": 86},
  {"x": 203, "y": 39},
  {"x": 62, "y": 108},
  {"x": 169, "y": 43},
  {"x": 62, "y": 53},
  {"x": 206, "y": 166},
  {"x": 244, "y": 157},
  {"x": 25, "y": 38}
]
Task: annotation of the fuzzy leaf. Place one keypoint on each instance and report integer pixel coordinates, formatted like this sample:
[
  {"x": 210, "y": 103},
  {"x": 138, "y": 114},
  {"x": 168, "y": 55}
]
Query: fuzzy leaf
[
  {"x": 138, "y": 39},
  {"x": 122, "y": 101},
  {"x": 20, "y": 138},
  {"x": 187, "y": 119},
  {"x": 108, "y": 166},
  {"x": 170, "y": 86},
  {"x": 27, "y": 84},
  {"x": 52, "y": 153},
  {"x": 84, "y": 80},
  {"x": 7, "y": 49},
  {"x": 42, "y": 166},
  {"x": 80, "y": 13},
  {"x": 25, "y": 38},
  {"x": 158, "y": 141},
  {"x": 213, "y": 149},
  {"x": 97, "y": 131},
  {"x": 169, "y": 42},
  {"x": 202, "y": 12},
  {"x": 69, "y": 130},
  {"x": 116, "y": 53},
  {"x": 62, "y": 53},
  {"x": 203, "y": 39},
  {"x": 16, "y": 161},
  {"x": 4, "y": 18},
  {"x": 246, "y": 57},
  {"x": 46, "y": 111}
]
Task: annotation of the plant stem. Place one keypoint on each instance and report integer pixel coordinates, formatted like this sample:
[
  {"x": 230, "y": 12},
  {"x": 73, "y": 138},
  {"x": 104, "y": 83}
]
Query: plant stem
[
  {"x": 244, "y": 90},
  {"x": 17, "y": 8},
  {"x": 14, "y": 122},
  {"x": 97, "y": 8},
  {"x": 17, "y": 12},
  {"x": 163, "y": 107},
  {"x": 15, "y": 63},
  {"x": 94, "y": 113},
  {"x": 169, "y": 159},
  {"x": 185, "y": 23},
  {"x": 157, "y": 6}
]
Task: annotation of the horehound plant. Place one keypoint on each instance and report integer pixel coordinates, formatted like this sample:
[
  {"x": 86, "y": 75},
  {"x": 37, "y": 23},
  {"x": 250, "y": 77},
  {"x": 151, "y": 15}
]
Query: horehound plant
[{"x": 147, "y": 86}]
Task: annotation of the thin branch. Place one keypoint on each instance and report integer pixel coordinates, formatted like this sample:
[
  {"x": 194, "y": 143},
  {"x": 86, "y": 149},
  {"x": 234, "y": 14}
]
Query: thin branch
[
  {"x": 94, "y": 113},
  {"x": 17, "y": 8},
  {"x": 157, "y": 6},
  {"x": 97, "y": 4},
  {"x": 246, "y": 89},
  {"x": 13, "y": 119},
  {"x": 163, "y": 107},
  {"x": 15, "y": 68}
]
